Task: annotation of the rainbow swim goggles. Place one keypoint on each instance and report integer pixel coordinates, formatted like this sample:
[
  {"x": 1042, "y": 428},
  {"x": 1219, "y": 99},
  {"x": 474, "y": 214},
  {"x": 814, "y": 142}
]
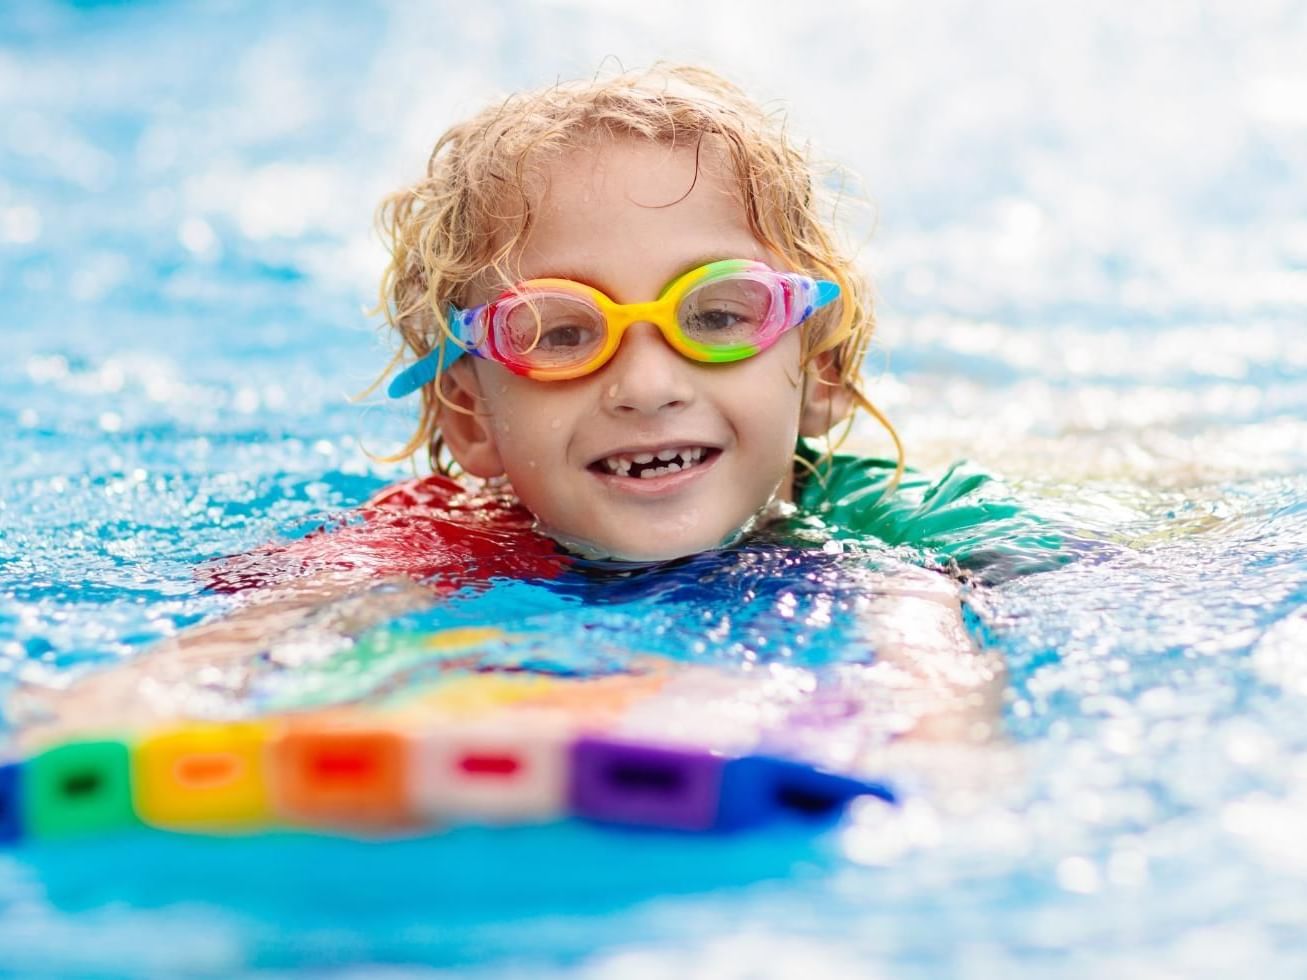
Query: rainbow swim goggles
[{"x": 556, "y": 329}]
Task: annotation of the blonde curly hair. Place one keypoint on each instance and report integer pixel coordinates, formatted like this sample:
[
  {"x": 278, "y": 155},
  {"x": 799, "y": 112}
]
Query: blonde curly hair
[{"x": 474, "y": 208}]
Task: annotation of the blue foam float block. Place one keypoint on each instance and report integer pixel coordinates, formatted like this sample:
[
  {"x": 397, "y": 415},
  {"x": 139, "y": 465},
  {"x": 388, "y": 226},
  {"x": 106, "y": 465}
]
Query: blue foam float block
[
  {"x": 11, "y": 823},
  {"x": 759, "y": 789},
  {"x": 614, "y": 781}
]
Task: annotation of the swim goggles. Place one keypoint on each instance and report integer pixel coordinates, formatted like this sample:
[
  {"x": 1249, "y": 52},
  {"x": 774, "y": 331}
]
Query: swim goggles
[{"x": 556, "y": 329}]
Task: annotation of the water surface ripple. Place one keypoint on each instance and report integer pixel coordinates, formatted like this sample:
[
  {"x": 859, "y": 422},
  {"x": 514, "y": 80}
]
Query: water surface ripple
[{"x": 1091, "y": 252}]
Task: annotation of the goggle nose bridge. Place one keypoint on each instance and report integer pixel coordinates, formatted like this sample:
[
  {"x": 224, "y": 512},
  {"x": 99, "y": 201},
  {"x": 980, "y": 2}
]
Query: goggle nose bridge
[{"x": 659, "y": 312}]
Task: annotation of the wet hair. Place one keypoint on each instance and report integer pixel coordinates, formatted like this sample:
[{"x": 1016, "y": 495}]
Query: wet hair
[{"x": 475, "y": 206}]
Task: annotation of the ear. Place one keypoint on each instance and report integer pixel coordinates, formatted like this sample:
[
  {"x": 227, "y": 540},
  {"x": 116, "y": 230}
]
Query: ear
[
  {"x": 465, "y": 424},
  {"x": 826, "y": 400}
]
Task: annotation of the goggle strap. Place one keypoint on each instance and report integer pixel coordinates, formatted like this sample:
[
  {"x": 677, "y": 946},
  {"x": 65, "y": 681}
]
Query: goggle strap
[
  {"x": 827, "y": 293},
  {"x": 425, "y": 369},
  {"x": 804, "y": 296}
]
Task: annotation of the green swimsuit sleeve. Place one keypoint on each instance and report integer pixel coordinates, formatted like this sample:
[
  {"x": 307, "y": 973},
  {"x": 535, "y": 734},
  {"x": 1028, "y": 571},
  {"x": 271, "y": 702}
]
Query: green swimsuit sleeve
[{"x": 965, "y": 516}]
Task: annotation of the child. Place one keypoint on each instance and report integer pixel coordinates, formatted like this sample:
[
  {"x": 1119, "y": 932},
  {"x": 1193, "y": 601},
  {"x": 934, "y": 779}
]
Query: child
[
  {"x": 658, "y": 316},
  {"x": 625, "y": 313}
]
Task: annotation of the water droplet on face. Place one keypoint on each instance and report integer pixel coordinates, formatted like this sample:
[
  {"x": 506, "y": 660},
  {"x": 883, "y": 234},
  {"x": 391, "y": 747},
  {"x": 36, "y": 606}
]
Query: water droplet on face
[{"x": 612, "y": 391}]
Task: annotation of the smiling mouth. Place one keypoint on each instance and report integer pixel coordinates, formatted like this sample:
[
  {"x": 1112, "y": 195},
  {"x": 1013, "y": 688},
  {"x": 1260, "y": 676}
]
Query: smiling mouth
[{"x": 649, "y": 465}]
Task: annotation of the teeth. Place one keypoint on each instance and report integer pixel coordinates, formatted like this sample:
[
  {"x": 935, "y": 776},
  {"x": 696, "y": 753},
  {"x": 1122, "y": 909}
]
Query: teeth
[{"x": 676, "y": 460}]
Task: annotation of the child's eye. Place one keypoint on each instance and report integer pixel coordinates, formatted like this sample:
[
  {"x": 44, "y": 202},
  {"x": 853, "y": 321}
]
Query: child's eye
[
  {"x": 564, "y": 336},
  {"x": 719, "y": 324},
  {"x": 725, "y": 312},
  {"x": 708, "y": 320},
  {"x": 558, "y": 327}
]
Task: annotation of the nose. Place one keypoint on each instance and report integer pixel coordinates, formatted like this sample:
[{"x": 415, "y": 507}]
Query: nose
[{"x": 646, "y": 376}]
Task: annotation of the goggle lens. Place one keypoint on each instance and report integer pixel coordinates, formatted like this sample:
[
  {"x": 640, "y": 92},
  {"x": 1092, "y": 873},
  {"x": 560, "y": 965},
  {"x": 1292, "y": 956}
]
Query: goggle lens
[
  {"x": 728, "y": 314},
  {"x": 723, "y": 318},
  {"x": 543, "y": 330}
]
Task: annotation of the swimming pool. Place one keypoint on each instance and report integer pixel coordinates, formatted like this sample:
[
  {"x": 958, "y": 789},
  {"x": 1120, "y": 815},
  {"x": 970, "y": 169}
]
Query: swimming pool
[{"x": 1082, "y": 289}]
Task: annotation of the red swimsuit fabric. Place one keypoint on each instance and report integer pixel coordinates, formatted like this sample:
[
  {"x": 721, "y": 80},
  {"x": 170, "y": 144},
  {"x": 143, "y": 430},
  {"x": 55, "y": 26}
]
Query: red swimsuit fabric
[{"x": 429, "y": 529}]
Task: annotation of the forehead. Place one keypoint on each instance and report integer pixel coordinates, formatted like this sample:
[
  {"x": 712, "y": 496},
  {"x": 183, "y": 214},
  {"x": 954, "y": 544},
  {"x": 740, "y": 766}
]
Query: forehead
[{"x": 627, "y": 215}]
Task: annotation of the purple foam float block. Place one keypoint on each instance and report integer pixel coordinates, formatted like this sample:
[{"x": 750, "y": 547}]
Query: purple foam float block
[
  {"x": 757, "y": 789},
  {"x": 623, "y": 782},
  {"x": 11, "y": 825}
]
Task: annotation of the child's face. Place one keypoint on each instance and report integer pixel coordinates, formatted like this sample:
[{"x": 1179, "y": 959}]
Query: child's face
[{"x": 627, "y": 218}]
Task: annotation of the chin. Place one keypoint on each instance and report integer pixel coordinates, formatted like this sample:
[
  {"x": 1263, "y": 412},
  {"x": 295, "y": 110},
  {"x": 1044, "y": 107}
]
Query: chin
[
  {"x": 623, "y": 548},
  {"x": 665, "y": 547},
  {"x": 661, "y": 553}
]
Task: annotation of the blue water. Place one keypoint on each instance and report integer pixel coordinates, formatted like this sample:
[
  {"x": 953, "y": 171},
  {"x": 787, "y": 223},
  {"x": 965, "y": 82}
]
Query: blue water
[{"x": 1089, "y": 238}]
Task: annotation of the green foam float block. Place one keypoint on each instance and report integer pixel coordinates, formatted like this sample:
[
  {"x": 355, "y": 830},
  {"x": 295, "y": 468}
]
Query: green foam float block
[{"x": 78, "y": 788}]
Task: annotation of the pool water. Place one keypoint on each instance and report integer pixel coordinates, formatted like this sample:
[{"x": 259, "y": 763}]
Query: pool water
[{"x": 1091, "y": 255}]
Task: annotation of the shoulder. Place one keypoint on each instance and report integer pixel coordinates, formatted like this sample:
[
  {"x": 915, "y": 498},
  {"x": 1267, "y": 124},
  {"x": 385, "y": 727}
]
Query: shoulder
[
  {"x": 445, "y": 501},
  {"x": 422, "y": 491},
  {"x": 429, "y": 528},
  {"x": 841, "y": 485},
  {"x": 964, "y": 514}
]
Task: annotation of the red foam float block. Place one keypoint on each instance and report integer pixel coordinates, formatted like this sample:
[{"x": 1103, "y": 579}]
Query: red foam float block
[{"x": 342, "y": 777}]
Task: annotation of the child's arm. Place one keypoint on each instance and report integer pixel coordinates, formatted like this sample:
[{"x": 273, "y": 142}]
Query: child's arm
[
  {"x": 304, "y": 599},
  {"x": 205, "y": 671},
  {"x": 939, "y": 683}
]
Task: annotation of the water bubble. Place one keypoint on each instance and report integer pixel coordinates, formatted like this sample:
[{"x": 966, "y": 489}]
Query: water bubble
[
  {"x": 1079, "y": 875},
  {"x": 111, "y": 376},
  {"x": 246, "y": 401},
  {"x": 198, "y": 238},
  {"x": 44, "y": 368},
  {"x": 20, "y": 225}
]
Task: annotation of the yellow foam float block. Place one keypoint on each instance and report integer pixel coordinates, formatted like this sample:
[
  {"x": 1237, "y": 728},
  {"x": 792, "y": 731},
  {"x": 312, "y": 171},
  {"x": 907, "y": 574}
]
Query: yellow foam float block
[{"x": 204, "y": 777}]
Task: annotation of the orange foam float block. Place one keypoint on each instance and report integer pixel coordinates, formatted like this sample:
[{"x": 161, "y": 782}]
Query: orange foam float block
[
  {"x": 211, "y": 777},
  {"x": 493, "y": 773},
  {"x": 330, "y": 775}
]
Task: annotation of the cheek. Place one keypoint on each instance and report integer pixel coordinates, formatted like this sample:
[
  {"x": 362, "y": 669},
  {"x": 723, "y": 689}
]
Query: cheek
[
  {"x": 531, "y": 421},
  {"x": 767, "y": 409},
  {"x": 768, "y": 393}
]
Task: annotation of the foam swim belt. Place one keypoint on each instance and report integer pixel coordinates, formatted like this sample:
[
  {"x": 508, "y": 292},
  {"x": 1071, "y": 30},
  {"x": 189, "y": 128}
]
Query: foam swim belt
[{"x": 358, "y": 772}]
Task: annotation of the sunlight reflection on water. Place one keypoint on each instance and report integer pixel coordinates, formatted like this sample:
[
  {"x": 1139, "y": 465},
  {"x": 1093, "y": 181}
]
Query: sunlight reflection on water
[{"x": 1081, "y": 287}]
